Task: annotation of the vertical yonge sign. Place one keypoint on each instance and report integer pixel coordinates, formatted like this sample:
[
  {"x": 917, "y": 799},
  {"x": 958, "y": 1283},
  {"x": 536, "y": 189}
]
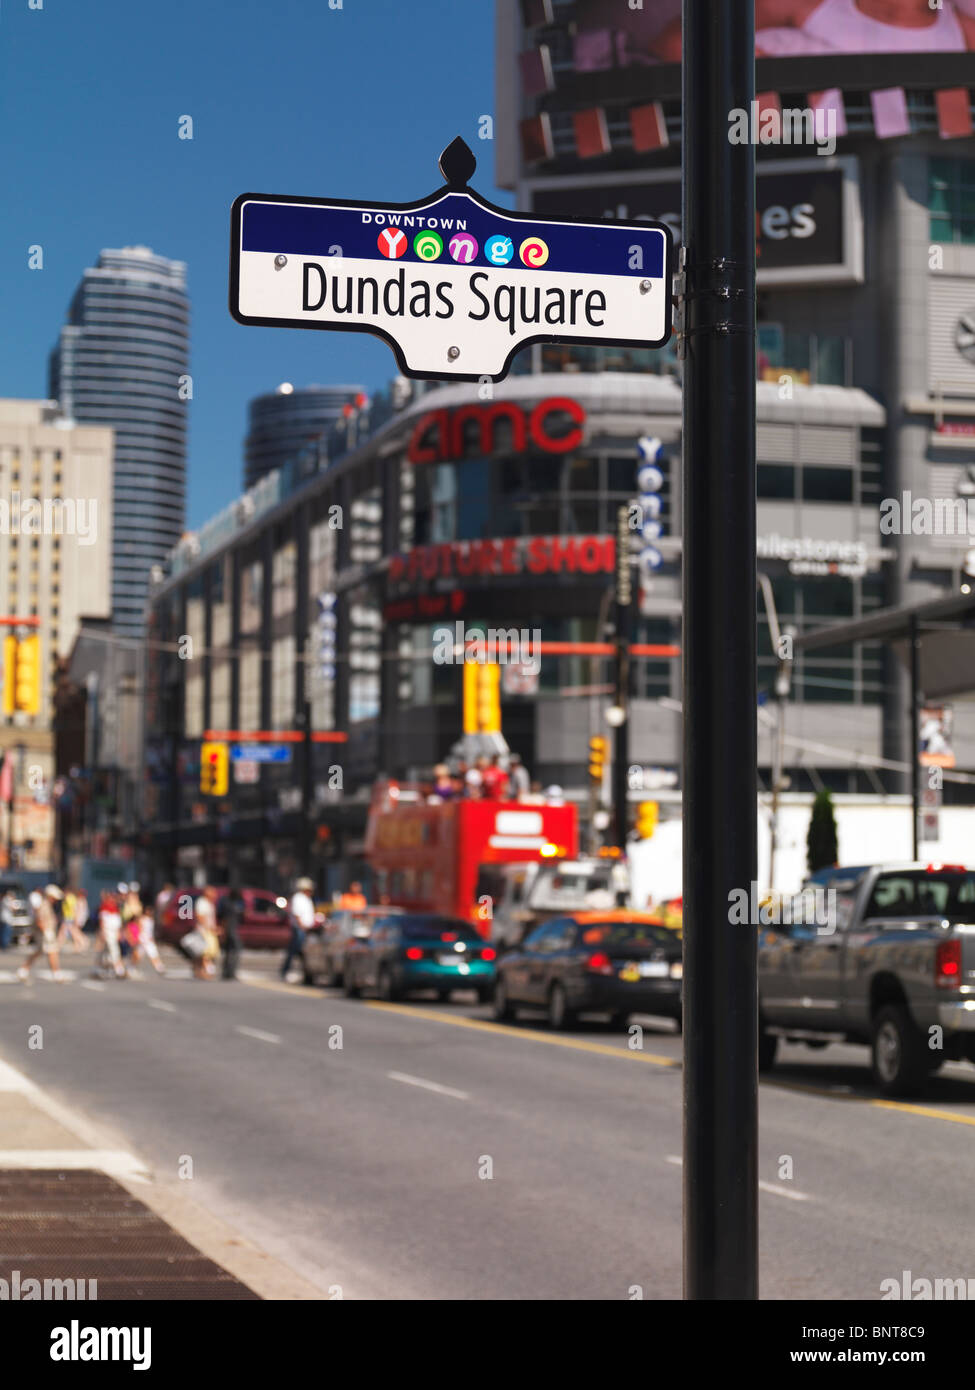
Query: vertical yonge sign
[{"x": 455, "y": 285}]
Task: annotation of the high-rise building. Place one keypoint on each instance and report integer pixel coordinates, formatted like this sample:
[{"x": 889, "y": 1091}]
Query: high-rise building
[
  {"x": 55, "y": 551},
  {"x": 123, "y": 360},
  {"x": 287, "y": 424}
]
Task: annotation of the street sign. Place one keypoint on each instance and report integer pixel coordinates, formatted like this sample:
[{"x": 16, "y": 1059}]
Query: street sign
[
  {"x": 246, "y": 772},
  {"x": 260, "y": 752},
  {"x": 455, "y": 285}
]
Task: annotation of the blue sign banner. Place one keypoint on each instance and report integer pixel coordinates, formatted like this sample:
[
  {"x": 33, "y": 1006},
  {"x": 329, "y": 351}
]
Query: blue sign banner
[{"x": 260, "y": 753}]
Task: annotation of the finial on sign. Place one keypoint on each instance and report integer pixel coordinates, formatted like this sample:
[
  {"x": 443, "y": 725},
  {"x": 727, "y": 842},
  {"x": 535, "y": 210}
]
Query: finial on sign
[{"x": 457, "y": 163}]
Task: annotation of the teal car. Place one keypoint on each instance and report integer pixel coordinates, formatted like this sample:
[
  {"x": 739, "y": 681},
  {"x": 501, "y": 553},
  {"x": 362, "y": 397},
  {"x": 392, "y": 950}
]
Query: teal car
[{"x": 414, "y": 952}]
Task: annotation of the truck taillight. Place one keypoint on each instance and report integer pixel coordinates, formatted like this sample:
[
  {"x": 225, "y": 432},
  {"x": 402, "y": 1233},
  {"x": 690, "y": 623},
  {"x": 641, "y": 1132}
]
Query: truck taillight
[
  {"x": 947, "y": 964},
  {"x": 599, "y": 963}
]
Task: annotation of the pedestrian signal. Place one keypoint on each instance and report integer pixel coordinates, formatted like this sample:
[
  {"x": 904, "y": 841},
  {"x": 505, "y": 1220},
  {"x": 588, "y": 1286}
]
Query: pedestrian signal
[{"x": 597, "y": 757}]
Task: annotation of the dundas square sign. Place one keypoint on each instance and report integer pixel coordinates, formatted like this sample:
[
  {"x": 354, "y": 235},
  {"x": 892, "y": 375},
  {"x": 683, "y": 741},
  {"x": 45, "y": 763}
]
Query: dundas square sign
[{"x": 455, "y": 285}]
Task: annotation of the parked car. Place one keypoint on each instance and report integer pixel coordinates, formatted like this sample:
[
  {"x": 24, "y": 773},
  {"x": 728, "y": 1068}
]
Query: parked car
[
  {"x": 883, "y": 956},
  {"x": 265, "y": 924},
  {"x": 420, "y": 951},
  {"x": 616, "y": 962},
  {"x": 323, "y": 954}
]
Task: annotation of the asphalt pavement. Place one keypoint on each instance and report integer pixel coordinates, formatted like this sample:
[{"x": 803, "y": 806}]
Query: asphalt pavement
[{"x": 419, "y": 1150}]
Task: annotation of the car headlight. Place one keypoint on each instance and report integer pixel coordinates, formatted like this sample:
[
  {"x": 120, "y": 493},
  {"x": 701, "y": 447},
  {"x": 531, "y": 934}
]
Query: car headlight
[{"x": 677, "y": 970}]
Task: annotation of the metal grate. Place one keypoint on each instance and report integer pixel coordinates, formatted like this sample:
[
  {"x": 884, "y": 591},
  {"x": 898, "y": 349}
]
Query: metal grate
[{"x": 81, "y": 1224}]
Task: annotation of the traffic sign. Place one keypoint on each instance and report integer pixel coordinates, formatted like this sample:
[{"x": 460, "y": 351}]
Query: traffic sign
[
  {"x": 455, "y": 285},
  {"x": 246, "y": 771},
  {"x": 260, "y": 752}
]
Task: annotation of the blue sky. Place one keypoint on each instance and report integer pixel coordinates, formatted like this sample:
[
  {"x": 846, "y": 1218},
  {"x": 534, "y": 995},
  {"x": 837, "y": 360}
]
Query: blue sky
[{"x": 286, "y": 96}]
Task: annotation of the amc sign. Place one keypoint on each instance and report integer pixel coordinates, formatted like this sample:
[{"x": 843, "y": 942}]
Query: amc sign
[{"x": 443, "y": 435}]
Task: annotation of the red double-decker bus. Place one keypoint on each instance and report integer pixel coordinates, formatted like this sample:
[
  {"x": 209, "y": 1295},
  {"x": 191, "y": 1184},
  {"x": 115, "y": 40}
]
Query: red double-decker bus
[{"x": 428, "y": 856}]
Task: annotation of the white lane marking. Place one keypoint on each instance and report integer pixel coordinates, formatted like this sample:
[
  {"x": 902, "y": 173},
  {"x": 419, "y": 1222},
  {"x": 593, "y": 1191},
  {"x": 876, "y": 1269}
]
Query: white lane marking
[
  {"x": 92, "y": 984},
  {"x": 256, "y": 1033},
  {"x": 162, "y": 1004},
  {"x": 427, "y": 1085},
  {"x": 774, "y": 1188},
  {"x": 13, "y": 1080},
  {"x": 112, "y": 1161}
]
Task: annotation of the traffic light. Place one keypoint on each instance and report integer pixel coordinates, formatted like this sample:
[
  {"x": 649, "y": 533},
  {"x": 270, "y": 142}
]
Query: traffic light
[
  {"x": 27, "y": 674},
  {"x": 647, "y": 815},
  {"x": 9, "y": 673},
  {"x": 597, "y": 757},
  {"x": 214, "y": 769},
  {"x": 482, "y": 697}
]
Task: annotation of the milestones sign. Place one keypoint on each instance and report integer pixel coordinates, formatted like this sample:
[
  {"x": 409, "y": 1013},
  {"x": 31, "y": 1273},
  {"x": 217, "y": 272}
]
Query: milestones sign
[{"x": 454, "y": 284}]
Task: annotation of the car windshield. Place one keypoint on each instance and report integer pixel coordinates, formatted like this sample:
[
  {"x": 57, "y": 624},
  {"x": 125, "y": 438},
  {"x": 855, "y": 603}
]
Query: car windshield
[
  {"x": 924, "y": 893},
  {"x": 624, "y": 934},
  {"x": 422, "y": 928}
]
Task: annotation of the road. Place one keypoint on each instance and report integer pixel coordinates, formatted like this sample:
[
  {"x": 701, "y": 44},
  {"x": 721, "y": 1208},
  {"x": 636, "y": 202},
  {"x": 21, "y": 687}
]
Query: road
[{"x": 436, "y": 1155}]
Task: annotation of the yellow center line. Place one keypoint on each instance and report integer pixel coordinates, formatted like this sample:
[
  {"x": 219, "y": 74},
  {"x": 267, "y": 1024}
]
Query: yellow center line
[
  {"x": 280, "y": 987},
  {"x": 926, "y": 1110},
  {"x": 535, "y": 1034}
]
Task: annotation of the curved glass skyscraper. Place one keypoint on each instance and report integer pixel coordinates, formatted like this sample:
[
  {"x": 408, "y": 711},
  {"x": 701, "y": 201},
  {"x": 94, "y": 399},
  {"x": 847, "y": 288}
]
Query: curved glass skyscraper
[
  {"x": 122, "y": 360},
  {"x": 287, "y": 422}
]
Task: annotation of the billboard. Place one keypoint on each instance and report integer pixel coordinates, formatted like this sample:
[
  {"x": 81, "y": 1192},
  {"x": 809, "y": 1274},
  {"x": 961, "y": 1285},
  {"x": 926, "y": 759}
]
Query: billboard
[
  {"x": 808, "y": 219},
  {"x": 783, "y": 29}
]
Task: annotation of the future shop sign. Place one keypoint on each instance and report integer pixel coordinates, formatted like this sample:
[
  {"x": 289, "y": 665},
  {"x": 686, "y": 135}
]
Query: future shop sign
[{"x": 455, "y": 285}]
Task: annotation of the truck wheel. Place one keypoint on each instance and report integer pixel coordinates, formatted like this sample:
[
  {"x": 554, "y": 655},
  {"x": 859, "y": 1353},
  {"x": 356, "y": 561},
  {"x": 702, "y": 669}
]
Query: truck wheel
[
  {"x": 900, "y": 1062},
  {"x": 768, "y": 1045}
]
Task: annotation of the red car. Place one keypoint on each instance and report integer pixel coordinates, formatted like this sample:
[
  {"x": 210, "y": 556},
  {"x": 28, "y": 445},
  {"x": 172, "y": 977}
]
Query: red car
[{"x": 265, "y": 924}]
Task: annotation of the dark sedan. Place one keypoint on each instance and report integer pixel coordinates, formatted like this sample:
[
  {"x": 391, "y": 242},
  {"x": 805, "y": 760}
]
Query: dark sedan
[
  {"x": 326, "y": 944},
  {"x": 615, "y": 962},
  {"x": 420, "y": 952}
]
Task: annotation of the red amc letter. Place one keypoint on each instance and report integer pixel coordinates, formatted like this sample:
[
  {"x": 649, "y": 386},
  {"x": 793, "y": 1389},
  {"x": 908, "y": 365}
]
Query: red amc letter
[
  {"x": 486, "y": 415},
  {"x": 417, "y": 451},
  {"x": 561, "y": 444}
]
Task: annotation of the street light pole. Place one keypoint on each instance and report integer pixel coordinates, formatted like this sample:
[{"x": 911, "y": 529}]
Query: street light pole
[
  {"x": 623, "y": 609},
  {"x": 717, "y": 344}
]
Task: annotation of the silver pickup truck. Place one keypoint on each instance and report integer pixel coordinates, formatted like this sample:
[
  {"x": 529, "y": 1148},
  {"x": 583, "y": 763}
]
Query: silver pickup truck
[{"x": 887, "y": 958}]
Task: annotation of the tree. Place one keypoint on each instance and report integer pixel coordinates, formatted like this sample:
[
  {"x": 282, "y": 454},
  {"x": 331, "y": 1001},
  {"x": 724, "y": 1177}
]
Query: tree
[{"x": 821, "y": 849}]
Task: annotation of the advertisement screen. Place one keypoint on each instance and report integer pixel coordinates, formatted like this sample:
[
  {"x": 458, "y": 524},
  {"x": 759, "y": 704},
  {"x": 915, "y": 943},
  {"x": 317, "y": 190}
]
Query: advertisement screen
[{"x": 783, "y": 29}]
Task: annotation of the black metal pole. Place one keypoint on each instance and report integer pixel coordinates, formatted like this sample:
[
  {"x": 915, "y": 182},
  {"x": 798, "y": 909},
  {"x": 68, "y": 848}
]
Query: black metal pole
[
  {"x": 623, "y": 608},
  {"x": 913, "y": 729},
  {"x": 719, "y": 642}
]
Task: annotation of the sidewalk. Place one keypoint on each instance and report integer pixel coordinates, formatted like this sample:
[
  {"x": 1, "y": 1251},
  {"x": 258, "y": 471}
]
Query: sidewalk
[{"x": 71, "y": 1210}]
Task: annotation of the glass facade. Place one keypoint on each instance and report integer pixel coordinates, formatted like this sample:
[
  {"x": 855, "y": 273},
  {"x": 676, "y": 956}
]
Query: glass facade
[{"x": 123, "y": 360}]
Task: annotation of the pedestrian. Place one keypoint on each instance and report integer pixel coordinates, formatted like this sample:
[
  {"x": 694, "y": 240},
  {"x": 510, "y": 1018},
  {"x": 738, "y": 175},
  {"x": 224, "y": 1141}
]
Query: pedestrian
[
  {"x": 147, "y": 939},
  {"x": 520, "y": 781},
  {"x": 82, "y": 912},
  {"x": 354, "y": 899},
  {"x": 7, "y": 922},
  {"x": 109, "y": 934},
  {"x": 494, "y": 780},
  {"x": 474, "y": 778},
  {"x": 205, "y": 959},
  {"x": 443, "y": 783},
  {"x": 162, "y": 898},
  {"x": 302, "y": 911},
  {"x": 69, "y": 922},
  {"x": 45, "y": 932},
  {"x": 229, "y": 915},
  {"x": 131, "y": 910}
]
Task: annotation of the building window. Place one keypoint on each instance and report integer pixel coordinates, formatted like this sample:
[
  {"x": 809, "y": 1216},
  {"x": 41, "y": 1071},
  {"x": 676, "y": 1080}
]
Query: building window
[
  {"x": 951, "y": 200},
  {"x": 777, "y": 481}
]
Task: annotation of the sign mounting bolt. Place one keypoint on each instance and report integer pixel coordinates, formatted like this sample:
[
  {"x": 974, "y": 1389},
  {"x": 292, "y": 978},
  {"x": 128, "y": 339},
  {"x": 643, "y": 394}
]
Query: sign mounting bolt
[
  {"x": 644, "y": 286},
  {"x": 280, "y": 262},
  {"x": 453, "y": 354}
]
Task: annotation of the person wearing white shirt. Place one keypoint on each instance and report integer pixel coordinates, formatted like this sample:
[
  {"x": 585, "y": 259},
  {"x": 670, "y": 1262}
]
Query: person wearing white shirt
[{"x": 302, "y": 910}]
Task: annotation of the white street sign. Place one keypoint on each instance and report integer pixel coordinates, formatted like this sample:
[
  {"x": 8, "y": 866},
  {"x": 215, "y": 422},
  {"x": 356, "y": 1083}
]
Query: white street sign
[{"x": 454, "y": 284}]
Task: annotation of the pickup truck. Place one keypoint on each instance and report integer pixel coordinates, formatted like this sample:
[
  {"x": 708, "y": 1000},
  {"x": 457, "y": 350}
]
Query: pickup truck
[{"x": 890, "y": 963}]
